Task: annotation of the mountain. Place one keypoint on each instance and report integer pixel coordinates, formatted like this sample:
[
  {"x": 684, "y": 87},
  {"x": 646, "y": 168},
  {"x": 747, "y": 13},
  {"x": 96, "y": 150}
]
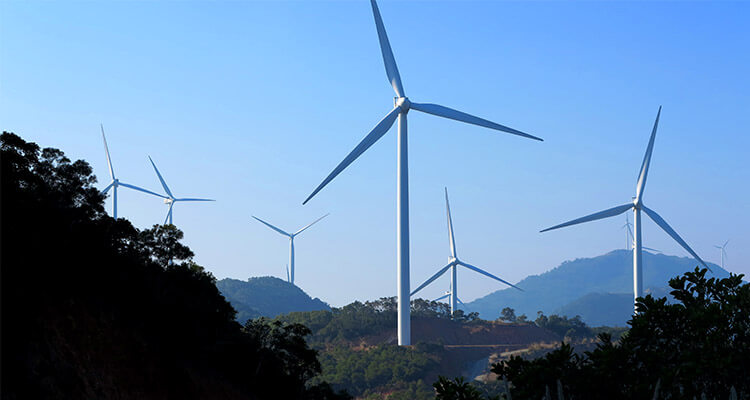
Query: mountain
[
  {"x": 609, "y": 309},
  {"x": 599, "y": 288},
  {"x": 266, "y": 297}
]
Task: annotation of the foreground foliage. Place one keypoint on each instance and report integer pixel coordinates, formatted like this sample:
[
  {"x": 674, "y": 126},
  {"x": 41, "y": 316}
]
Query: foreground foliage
[
  {"x": 699, "y": 346},
  {"x": 94, "y": 308}
]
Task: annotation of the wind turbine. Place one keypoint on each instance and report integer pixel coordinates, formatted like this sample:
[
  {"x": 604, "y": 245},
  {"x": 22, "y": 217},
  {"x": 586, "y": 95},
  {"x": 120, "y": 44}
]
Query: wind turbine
[
  {"x": 402, "y": 105},
  {"x": 114, "y": 183},
  {"x": 723, "y": 252},
  {"x": 630, "y": 243},
  {"x": 291, "y": 236},
  {"x": 453, "y": 264},
  {"x": 170, "y": 199},
  {"x": 637, "y": 205}
]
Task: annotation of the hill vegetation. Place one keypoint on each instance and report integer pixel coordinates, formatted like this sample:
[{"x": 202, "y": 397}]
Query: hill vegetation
[
  {"x": 95, "y": 308},
  {"x": 266, "y": 297},
  {"x": 695, "y": 348},
  {"x": 358, "y": 352}
]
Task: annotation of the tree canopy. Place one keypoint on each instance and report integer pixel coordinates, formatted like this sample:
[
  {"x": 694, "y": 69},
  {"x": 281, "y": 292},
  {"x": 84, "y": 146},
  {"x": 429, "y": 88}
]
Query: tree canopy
[
  {"x": 94, "y": 308},
  {"x": 698, "y": 346}
]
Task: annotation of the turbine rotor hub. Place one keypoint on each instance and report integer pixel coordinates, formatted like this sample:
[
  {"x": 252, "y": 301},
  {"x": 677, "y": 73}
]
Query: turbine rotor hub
[
  {"x": 403, "y": 103},
  {"x": 168, "y": 201}
]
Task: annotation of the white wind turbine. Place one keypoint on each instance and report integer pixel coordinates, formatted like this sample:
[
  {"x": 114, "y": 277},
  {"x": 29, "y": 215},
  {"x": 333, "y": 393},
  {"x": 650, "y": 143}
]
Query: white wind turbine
[
  {"x": 453, "y": 266},
  {"x": 401, "y": 108},
  {"x": 723, "y": 250},
  {"x": 291, "y": 236},
  {"x": 169, "y": 198},
  {"x": 637, "y": 205},
  {"x": 114, "y": 183}
]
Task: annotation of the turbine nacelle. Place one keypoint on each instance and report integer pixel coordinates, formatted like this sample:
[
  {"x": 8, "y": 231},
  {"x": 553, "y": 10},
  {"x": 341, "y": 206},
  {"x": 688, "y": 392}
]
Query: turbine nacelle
[
  {"x": 168, "y": 201},
  {"x": 403, "y": 103}
]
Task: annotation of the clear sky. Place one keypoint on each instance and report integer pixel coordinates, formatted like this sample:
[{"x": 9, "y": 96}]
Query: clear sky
[{"x": 254, "y": 103}]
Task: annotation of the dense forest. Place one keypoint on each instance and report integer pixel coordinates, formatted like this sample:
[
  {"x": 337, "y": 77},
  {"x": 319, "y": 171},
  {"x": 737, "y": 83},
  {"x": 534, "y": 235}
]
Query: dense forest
[{"x": 95, "y": 308}]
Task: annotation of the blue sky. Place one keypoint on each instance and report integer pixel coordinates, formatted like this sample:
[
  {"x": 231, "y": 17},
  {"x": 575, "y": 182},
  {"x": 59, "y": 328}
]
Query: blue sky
[{"x": 253, "y": 104}]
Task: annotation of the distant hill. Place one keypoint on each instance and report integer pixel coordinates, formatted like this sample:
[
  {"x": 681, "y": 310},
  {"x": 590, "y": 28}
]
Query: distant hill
[
  {"x": 266, "y": 297},
  {"x": 599, "y": 288},
  {"x": 609, "y": 309}
]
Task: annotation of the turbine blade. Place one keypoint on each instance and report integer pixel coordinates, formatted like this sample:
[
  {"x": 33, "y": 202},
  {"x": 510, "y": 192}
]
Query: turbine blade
[
  {"x": 169, "y": 212},
  {"x": 593, "y": 217},
  {"x": 461, "y": 301},
  {"x": 163, "y": 184},
  {"x": 671, "y": 232},
  {"x": 450, "y": 113},
  {"x": 469, "y": 266},
  {"x": 311, "y": 224},
  {"x": 271, "y": 226},
  {"x": 450, "y": 225},
  {"x": 432, "y": 278},
  {"x": 647, "y": 160},
  {"x": 143, "y": 190},
  {"x": 385, "y": 48},
  {"x": 193, "y": 199},
  {"x": 106, "y": 189},
  {"x": 106, "y": 149},
  {"x": 377, "y": 132},
  {"x": 442, "y": 297},
  {"x": 725, "y": 244},
  {"x": 650, "y": 249}
]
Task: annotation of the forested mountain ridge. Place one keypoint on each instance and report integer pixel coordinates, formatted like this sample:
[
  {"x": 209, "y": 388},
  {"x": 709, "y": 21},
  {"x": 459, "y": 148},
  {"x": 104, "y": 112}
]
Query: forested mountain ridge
[
  {"x": 551, "y": 291},
  {"x": 266, "y": 297}
]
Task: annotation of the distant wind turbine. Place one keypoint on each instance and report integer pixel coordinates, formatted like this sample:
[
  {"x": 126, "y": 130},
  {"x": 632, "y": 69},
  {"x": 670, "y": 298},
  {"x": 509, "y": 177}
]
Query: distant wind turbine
[
  {"x": 291, "y": 236},
  {"x": 114, "y": 183},
  {"x": 723, "y": 250},
  {"x": 170, "y": 199},
  {"x": 453, "y": 264},
  {"x": 402, "y": 105},
  {"x": 630, "y": 243},
  {"x": 637, "y": 205}
]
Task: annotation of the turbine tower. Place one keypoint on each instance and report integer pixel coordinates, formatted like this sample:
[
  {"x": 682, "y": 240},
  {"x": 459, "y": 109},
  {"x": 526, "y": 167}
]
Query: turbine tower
[
  {"x": 637, "y": 205},
  {"x": 169, "y": 199},
  {"x": 453, "y": 264},
  {"x": 723, "y": 251},
  {"x": 291, "y": 236},
  {"x": 114, "y": 183},
  {"x": 402, "y": 105},
  {"x": 630, "y": 243}
]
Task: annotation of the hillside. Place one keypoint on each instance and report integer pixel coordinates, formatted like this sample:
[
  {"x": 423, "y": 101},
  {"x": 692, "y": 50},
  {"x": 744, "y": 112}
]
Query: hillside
[
  {"x": 94, "y": 308},
  {"x": 566, "y": 287},
  {"x": 266, "y": 297},
  {"x": 358, "y": 351}
]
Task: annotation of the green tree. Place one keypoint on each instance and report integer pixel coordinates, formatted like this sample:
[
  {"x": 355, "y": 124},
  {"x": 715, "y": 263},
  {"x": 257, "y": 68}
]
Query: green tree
[
  {"x": 508, "y": 314},
  {"x": 696, "y": 347},
  {"x": 456, "y": 389},
  {"x": 163, "y": 243}
]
